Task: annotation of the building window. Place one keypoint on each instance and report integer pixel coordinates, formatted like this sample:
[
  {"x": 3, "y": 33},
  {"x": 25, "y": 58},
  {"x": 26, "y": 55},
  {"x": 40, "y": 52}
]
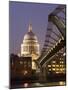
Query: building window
[
  {"x": 61, "y": 65},
  {"x": 49, "y": 65},
  {"x": 61, "y": 69},
  {"x": 53, "y": 61},
  {"x": 29, "y": 64},
  {"x": 21, "y": 62},
  {"x": 57, "y": 65},
  {"x": 57, "y": 69},
  {"x": 25, "y": 72},
  {"x": 61, "y": 62},
  {"x": 53, "y": 69},
  {"x": 57, "y": 72},
  {"x": 53, "y": 65},
  {"x": 49, "y": 69}
]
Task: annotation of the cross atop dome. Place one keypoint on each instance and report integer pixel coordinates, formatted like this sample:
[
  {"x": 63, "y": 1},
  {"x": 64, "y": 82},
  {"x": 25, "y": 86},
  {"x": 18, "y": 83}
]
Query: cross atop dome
[{"x": 30, "y": 27}]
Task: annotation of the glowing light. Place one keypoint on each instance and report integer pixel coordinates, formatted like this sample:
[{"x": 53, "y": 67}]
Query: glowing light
[
  {"x": 49, "y": 69},
  {"x": 53, "y": 69},
  {"x": 30, "y": 45},
  {"x": 61, "y": 62},
  {"x": 57, "y": 69},
  {"x": 61, "y": 65},
  {"x": 64, "y": 54},
  {"x": 21, "y": 62},
  {"x": 53, "y": 61},
  {"x": 25, "y": 72},
  {"x": 25, "y": 84},
  {"x": 49, "y": 65},
  {"x": 57, "y": 72},
  {"x": 53, "y": 65},
  {"x": 61, "y": 69},
  {"x": 33, "y": 65},
  {"x": 57, "y": 65},
  {"x": 19, "y": 54},
  {"x": 61, "y": 83}
]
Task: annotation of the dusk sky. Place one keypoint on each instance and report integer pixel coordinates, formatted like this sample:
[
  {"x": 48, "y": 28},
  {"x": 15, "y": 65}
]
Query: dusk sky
[{"x": 20, "y": 15}]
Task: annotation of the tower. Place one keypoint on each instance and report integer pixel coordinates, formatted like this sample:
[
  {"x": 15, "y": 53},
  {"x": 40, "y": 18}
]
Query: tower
[{"x": 30, "y": 46}]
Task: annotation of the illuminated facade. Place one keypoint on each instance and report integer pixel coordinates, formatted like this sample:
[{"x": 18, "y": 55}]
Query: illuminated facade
[
  {"x": 58, "y": 64},
  {"x": 30, "y": 46}
]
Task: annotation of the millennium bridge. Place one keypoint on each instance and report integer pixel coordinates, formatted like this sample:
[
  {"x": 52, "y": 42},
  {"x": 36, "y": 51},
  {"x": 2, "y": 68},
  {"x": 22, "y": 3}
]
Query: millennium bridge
[{"x": 55, "y": 40}]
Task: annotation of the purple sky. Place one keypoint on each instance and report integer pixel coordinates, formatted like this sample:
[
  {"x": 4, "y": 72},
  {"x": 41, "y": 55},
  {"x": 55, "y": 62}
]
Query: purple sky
[{"x": 20, "y": 15}]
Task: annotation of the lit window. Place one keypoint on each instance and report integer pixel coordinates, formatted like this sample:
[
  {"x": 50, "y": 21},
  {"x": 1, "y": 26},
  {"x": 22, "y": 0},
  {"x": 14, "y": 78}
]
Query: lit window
[
  {"x": 64, "y": 54},
  {"x": 60, "y": 65},
  {"x": 21, "y": 62},
  {"x": 49, "y": 69},
  {"x": 61, "y": 62},
  {"x": 61, "y": 69},
  {"x": 57, "y": 65},
  {"x": 57, "y": 72},
  {"x": 53, "y": 69},
  {"x": 53, "y": 61},
  {"x": 57, "y": 69},
  {"x": 53, "y": 65},
  {"x": 49, "y": 65},
  {"x": 25, "y": 72},
  {"x": 61, "y": 83},
  {"x": 25, "y": 84}
]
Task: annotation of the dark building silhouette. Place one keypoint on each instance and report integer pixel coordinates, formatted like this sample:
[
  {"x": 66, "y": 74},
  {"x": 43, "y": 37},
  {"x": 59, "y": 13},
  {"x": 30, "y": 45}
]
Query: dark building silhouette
[{"x": 20, "y": 68}]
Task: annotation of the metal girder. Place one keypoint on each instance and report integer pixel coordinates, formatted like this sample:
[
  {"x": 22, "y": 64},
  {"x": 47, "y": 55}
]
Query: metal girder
[
  {"x": 59, "y": 24},
  {"x": 53, "y": 52},
  {"x": 50, "y": 30},
  {"x": 50, "y": 42},
  {"x": 59, "y": 9},
  {"x": 51, "y": 38},
  {"x": 62, "y": 29}
]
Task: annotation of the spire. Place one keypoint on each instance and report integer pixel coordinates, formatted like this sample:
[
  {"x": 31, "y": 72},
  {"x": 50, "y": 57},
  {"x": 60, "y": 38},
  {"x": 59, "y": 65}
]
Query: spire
[{"x": 30, "y": 27}]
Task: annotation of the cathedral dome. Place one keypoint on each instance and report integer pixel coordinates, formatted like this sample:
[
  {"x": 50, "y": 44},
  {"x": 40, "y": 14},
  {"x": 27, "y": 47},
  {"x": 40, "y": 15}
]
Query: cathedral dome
[
  {"x": 30, "y": 36},
  {"x": 30, "y": 46},
  {"x": 30, "y": 43}
]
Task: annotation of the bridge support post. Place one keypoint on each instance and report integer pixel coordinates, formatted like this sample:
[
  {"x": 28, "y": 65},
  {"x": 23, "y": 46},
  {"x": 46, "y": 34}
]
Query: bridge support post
[{"x": 42, "y": 77}]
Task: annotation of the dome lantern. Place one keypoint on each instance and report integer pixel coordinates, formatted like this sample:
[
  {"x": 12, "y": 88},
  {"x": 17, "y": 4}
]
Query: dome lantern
[{"x": 30, "y": 28}]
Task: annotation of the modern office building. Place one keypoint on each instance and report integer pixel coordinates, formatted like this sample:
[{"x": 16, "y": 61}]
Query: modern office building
[{"x": 58, "y": 64}]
